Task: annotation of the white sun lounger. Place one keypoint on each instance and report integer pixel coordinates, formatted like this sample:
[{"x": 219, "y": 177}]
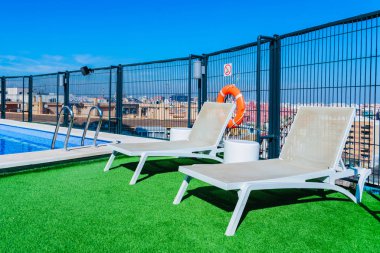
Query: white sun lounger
[
  {"x": 312, "y": 151},
  {"x": 203, "y": 141}
]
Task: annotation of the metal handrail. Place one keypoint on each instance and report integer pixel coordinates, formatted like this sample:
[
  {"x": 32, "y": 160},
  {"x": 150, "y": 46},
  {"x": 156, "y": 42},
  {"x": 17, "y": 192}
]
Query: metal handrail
[
  {"x": 59, "y": 124},
  {"x": 100, "y": 112}
]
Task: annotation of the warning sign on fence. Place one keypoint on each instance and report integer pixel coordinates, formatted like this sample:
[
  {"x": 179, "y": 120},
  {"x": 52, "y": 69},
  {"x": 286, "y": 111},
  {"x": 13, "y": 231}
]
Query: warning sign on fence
[{"x": 228, "y": 69}]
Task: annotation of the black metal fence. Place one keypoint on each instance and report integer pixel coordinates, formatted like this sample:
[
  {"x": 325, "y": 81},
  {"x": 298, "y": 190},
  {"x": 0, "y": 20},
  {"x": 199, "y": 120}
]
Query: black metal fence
[
  {"x": 158, "y": 96},
  {"x": 334, "y": 64},
  {"x": 46, "y": 92},
  {"x": 337, "y": 65}
]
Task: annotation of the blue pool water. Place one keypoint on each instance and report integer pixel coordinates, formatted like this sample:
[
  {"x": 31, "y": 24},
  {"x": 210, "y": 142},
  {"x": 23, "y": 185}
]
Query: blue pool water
[{"x": 20, "y": 140}]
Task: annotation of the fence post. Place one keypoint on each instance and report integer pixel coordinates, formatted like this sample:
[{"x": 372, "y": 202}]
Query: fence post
[
  {"x": 199, "y": 94},
  {"x": 23, "y": 99},
  {"x": 3, "y": 91},
  {"x": 57, "y": 90},
  {"x": 119, "y": 100},
  {"x": 189, "y": 93},
  {"x": 204, "y": 79},
  {"x": 109, "y": 99},
  {"x": 258, "y": 90},
  {"x": 30, "y": 99},
  {"x": 274, "y": 97},
  {"x": 66, "y": 96},
  {"x": 66, "y": 89}
]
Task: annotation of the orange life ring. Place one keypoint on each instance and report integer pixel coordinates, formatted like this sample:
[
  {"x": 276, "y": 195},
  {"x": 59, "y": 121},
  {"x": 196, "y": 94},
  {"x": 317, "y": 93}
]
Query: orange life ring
[{"x": 240, "y": 104}]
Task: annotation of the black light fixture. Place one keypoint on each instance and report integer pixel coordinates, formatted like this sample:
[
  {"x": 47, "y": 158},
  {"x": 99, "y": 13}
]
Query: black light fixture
[{"x": 86, "y": 70}]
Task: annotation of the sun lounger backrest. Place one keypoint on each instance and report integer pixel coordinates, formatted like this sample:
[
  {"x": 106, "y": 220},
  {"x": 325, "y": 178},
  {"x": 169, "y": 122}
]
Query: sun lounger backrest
[
  {"x": 211, "y": 123},
  {"x": 318, "y": 135}
]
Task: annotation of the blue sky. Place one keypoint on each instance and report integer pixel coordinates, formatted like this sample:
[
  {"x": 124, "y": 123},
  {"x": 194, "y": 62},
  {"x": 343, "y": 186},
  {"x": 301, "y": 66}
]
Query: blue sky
[{"x": 49, "y": 36}]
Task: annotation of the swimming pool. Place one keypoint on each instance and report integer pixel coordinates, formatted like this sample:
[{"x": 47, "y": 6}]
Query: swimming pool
[{"x": 15, "y": 140}]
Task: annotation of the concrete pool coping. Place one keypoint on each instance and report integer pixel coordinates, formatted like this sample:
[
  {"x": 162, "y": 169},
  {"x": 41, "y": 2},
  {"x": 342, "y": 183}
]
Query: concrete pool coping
[{"x": 60, "y": 155}]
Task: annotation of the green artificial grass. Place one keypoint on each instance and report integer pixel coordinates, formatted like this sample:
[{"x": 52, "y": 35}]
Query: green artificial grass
[{"x": 77, "y": 207}]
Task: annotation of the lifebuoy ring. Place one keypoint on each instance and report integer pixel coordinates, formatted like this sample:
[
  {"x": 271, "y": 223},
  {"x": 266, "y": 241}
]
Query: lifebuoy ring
[{"x": 240, "y": 104}]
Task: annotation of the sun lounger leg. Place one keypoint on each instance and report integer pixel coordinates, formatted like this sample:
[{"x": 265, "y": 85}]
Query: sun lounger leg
[
  {"x": 138, "y": 169},
  {"x": 182, "y": 190},
  {"x": 364, "y": 173},
  {"x": 239, "y": 208},
  {"x": 110, "y": 161}
]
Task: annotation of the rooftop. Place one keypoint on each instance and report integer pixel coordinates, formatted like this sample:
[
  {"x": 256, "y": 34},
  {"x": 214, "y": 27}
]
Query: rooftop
[
  {"x": 73, "y": 206},
  {"x": 77, "y": 207}
]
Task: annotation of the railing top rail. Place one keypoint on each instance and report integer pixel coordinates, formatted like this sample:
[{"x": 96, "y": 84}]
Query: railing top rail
[
  {"x": 156, "y": 62},
  {"x": 49, "y": 74},
  {"x": 334, "y": 23},
  {"x": 94, "y": 69},
  {"x": 232, "y": 49},
  {"x": 14, "y": 77}
]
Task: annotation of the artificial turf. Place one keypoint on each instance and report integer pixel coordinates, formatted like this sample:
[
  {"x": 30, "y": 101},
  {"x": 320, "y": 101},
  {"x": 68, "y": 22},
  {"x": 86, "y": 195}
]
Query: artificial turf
[{"x": 77, "y": 207}]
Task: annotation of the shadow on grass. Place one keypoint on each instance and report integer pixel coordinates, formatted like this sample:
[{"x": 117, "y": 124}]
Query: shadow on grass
[
  {"x": 375, "y": 213},
  {"x": 374, "y": 196},
  {"x": 227, "y": 200},
  {"x": 154, "y": 166}
]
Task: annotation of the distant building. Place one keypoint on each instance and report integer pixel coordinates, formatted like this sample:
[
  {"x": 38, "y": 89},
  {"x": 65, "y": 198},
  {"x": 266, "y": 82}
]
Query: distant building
[
  {"x": 16, "y": 94},
  {"x": 179, "y": 98}
]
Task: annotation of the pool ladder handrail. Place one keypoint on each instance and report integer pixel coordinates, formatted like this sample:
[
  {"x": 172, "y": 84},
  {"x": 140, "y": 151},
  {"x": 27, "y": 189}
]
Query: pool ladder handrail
[
  {"x": 100, "y": 112},
  {"x": 70, "y": 111}
]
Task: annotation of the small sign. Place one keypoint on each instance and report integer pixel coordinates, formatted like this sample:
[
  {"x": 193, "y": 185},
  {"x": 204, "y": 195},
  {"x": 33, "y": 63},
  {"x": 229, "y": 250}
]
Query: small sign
[{"x": 228, "y": 69}]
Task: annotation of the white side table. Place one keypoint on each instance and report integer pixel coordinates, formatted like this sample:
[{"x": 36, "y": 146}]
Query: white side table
[
  {"x": 179, "y": 133},
  {"x": 236, "y": 151}
]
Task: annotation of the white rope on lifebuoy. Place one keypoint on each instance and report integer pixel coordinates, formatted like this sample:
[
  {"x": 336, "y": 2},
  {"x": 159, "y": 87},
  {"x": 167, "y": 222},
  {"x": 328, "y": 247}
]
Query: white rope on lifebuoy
[{"x": 238, "y": 96}]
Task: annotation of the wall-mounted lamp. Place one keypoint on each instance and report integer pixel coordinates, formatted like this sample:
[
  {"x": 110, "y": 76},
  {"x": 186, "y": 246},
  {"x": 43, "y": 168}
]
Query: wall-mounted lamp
[
  {"x": 61, "y": 80},
  {"x": 198, "y": 70},
  {"x": 86, "y": 70}
]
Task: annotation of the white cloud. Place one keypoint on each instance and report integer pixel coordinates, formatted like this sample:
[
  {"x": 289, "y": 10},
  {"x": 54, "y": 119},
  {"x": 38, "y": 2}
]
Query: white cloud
[
  {"x": 53, "y": 57},
  {"x": 26, "y": 65},
  {"x": 90, "y": 59},
  {"x": 8, "y": 57},
  {"x": 21, "y": 65}
]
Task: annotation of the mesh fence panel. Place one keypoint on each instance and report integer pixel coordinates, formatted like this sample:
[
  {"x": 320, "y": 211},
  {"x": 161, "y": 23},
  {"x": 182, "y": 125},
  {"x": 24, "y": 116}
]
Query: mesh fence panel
[
  {"x": 337, "y": 66},
  {"x": 96, "y": 89},
  {"x": 155, "y": 98},
  {"x": 16, "y": 98},
  {"x": 47, "y": 98},
  {"x": 244, "y": 74}
]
